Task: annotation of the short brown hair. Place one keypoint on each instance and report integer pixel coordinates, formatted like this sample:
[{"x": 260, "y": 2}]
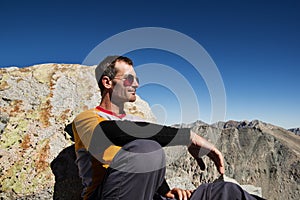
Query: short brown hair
[{"x": 107, "y": 68}]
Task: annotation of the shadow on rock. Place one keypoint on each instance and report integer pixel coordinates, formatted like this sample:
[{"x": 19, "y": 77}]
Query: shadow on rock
[{"x": 68, "y": 185}]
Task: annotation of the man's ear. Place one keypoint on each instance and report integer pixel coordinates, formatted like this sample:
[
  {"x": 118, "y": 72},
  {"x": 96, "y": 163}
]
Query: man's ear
[{"x": 106, "y": 82}]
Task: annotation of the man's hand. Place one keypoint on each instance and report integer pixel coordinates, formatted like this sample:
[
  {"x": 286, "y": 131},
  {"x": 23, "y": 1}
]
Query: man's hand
[
  {"x": 179, "y": 194},
  {"x": 201, "y": 147}
]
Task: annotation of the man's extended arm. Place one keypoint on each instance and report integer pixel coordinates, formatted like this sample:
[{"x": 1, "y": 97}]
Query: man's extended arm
[{"x": 122, "y": 132}]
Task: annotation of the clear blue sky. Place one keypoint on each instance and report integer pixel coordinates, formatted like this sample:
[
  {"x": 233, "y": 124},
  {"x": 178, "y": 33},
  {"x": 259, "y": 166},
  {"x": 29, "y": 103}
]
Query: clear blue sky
[{"x": 254, "y": 44}]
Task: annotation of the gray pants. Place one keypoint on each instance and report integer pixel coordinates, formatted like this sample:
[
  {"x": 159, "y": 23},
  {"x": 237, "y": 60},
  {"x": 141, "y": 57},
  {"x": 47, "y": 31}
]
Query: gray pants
[{"x": 138, "y": 170}]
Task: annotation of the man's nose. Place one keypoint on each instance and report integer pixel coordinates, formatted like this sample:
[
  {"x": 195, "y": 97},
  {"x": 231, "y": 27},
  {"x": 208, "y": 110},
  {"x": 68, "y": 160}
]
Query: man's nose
[{"x": 135, "y": 83}]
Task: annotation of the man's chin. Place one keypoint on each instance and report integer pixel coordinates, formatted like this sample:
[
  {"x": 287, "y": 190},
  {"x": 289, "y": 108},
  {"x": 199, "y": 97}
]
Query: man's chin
[{"x": 132, "y": 99}]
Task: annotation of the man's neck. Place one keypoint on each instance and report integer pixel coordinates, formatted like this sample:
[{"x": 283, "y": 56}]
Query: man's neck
[{"x": 108, "y": 105}]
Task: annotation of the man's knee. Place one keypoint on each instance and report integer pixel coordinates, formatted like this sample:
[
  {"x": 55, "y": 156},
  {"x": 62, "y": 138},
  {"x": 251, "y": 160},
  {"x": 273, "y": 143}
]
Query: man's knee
[
  {"x": 140, "y": 156},
  {"x": 219, "y": 190},
  {"x": 231, "y": 191},
  {"x": 142, "y": 146}
]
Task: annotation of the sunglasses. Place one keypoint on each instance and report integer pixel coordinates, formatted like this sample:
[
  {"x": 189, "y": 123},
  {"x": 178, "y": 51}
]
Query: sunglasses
[{"x": 129, "y": 79}]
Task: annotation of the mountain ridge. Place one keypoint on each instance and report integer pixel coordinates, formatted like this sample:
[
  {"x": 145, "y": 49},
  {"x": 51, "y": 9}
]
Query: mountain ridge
[{"x": 295, "y": 130}]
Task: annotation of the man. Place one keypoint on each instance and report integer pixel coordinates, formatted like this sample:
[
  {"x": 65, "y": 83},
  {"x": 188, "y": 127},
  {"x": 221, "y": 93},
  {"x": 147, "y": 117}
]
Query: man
[{"x": 120, "y": 157}]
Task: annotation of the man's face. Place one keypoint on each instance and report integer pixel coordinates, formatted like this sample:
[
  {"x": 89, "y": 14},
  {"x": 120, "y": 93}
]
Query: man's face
[{"x": 124, "y": 88}]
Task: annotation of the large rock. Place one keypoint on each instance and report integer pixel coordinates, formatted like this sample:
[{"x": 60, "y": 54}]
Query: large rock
[
  {"x": 36, "y": 155},
  {"x": 36, "y": 104}
]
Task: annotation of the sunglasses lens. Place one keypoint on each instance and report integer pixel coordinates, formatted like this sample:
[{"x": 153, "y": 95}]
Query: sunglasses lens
[{"x": 130, "y": 79}]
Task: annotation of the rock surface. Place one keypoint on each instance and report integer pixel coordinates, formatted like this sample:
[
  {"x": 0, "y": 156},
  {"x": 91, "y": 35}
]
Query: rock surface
[{"x": 37, "y": 103}]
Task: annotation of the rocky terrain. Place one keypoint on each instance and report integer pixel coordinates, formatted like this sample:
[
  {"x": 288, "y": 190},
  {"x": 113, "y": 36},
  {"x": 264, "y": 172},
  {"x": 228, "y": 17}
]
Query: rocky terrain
[
  {"x": 295, "y": 130},
  {"x": 36, "y": 155}
]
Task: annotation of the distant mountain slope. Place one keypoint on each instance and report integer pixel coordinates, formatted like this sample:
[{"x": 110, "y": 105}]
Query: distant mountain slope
[
  {"x": 256, "y": 153},
  {"x": 295, "y": 130}
]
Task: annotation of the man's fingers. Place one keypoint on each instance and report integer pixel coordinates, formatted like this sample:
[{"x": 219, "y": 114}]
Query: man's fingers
[
  {"x": 200, "y": 147},
  {"x": 179, "y": 193},
  {"x": 218, "y": 159},
  {"x": 184, "y": 195},
  {"x": 189, "y": 193}
]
